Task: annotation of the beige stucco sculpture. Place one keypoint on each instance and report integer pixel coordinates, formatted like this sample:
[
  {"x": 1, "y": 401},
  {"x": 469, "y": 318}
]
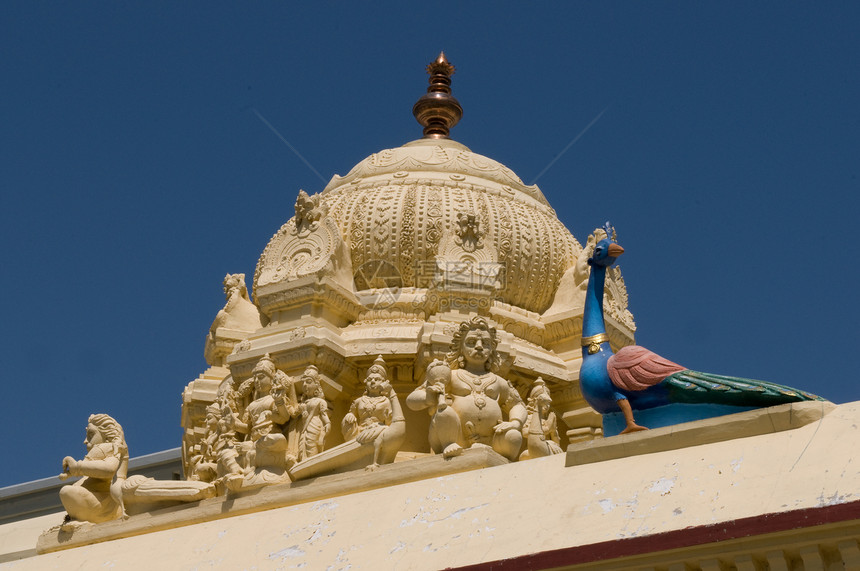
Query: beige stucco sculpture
[
  {"x": 376, "y": 417},
  {"x": 105, "y": 492},
  {"x": 264, "y": 422},
  {"x": 314, "y": 420},
  {"x": 233, "y": 323},
  {"x": 541, "y": 427},
  {"x": 478, "y": 397},
  {"x": 215, "y": 458},
  {"x": 97, "y": 496},
  {"x": 374, "y": 430}
]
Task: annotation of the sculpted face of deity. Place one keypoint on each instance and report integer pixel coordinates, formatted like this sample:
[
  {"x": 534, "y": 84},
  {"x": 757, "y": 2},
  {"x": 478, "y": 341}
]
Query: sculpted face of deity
[
  {"x": 311, "y": 386},
  {"x": 477, "y": 347},
  {"x": 543, "y": 402},
  {"x": 212, "y": 417},
  {"x": 94, "y": 436},
  {"x": 262, "y": 382},
  {"x": 374, "y": 384}
]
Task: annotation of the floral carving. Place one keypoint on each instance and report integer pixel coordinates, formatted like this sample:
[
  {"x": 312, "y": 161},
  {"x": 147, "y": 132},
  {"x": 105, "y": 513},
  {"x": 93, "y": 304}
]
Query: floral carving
[{"x": 469, "y": 235}]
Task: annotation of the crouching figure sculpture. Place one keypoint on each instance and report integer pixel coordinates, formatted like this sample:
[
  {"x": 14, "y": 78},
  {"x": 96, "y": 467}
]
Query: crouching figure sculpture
[
  {"x": 97, "y": 496},
  {"x": 105, "y": 492}
]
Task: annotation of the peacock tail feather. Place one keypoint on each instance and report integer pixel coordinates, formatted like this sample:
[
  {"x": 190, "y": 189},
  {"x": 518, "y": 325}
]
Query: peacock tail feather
[{"x": 695, "y": 387}]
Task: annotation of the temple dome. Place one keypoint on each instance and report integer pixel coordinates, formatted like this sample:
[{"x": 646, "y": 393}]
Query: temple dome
[
  {"x": 429, "y": 214},
  {"x": 397, "y": 206}
]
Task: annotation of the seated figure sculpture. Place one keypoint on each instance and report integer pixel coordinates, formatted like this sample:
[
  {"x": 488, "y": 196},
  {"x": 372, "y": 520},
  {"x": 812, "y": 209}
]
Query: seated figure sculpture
[
  {"x": 105, "y": 492},
  {"x": 315, "y": 422},
  {"x": 97, "y": 497},
  {"x": 215, "y": 457},
  {"x": 376, "y": 417},
  {"x": 541, "y": 427},
  {"x": 263, "y": 422},
  {"x": 203, "y": 454},
  {"x": 374, "y": 429},
  {"x": 476, "y": 399}
]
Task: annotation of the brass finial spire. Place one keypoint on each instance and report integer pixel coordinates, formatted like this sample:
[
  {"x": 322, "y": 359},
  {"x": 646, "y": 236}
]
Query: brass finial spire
[{"x": 438, "y": 110}]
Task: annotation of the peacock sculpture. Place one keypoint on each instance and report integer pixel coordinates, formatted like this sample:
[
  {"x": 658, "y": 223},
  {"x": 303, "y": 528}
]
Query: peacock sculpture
[{"x": 636, "y": 383}]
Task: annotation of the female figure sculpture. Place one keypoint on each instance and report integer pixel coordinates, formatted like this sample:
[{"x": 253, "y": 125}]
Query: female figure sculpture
[
  {"x": 97, "y": 497},
  {"x": 315, "y": 423},
  {"x": 478, "y": 397},
  {"x": 376, "y": 417}
]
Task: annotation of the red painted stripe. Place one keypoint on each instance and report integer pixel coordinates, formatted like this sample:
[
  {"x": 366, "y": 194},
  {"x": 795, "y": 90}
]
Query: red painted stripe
[{"x": 688, "y": 537}]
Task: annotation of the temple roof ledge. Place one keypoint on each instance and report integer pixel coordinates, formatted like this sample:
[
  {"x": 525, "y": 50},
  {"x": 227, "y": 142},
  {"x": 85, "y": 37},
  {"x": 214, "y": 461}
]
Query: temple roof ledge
[{"x": 756, "y": 422}]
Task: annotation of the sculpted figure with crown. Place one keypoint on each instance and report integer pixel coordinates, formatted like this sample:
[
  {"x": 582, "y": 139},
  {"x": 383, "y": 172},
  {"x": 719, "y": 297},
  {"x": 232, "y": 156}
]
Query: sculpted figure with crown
[
  {"x": 264, "y": 422},
  {"x": 315, "y": 423},
  {"x": 215, "y": 458},
  {"x": 479, "y": 398},
  {"x": 375, "y": 417},
  {"x": 541, "y": 427}
]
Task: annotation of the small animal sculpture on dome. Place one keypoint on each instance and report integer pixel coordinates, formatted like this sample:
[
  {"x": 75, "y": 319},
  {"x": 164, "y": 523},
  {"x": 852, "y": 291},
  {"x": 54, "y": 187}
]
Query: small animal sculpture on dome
[
  {"x": 97, "y": 496},
  {"x": 238, "y": 317},
  {"x": 376, "y": 416},
  {"x": 479, "y": 398},
  {"x": 635, "y": 380},
  {"x": 541, "y": 427}
]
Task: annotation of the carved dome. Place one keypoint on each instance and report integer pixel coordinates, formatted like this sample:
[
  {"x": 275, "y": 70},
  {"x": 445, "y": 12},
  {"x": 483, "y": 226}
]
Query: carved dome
[
  {"x": 428, "y": 213},
  {"x": 397, "y": 206}
]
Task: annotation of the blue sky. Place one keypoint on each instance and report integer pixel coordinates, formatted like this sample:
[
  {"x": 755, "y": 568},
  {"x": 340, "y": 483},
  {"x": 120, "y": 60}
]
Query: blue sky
[{"x": 135, "y": 174}]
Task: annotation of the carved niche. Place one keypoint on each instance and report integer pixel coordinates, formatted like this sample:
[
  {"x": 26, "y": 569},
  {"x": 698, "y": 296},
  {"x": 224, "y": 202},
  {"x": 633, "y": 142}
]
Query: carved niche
[{"x": 308, "y": 249}]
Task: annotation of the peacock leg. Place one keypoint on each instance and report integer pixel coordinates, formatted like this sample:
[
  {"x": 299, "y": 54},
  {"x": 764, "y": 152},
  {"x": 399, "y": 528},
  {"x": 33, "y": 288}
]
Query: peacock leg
[{"x": 625, "y": 407}]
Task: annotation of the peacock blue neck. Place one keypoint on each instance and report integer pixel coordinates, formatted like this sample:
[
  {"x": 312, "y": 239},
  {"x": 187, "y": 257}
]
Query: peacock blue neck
[{"x": 592, "y": 317}]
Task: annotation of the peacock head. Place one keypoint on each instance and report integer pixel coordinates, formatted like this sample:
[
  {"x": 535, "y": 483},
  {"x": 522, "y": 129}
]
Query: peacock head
[{"x": 606, "y": 251}]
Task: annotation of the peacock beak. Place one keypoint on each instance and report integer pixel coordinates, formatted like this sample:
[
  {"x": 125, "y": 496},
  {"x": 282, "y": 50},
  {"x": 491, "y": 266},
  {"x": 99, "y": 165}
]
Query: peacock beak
[{"x": 615, "y": 250}]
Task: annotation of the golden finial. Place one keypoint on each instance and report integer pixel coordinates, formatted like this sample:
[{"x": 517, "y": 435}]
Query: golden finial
[{"x": 438, "y": 110}]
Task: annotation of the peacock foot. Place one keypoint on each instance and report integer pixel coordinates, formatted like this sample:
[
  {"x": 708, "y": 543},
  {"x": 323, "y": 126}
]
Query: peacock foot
[
  {"x": 371, "y": 468},
  {"x": 452, "y": 450},
  {"x": 633, "y": 428}
]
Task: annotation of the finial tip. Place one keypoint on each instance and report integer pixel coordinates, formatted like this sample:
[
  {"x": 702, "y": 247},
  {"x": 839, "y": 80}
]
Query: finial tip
[{"x": 437, "y": 111}]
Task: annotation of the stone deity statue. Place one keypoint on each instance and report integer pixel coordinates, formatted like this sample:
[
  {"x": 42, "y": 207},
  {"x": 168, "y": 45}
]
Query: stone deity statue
[
  {"x": 314, "y": 422},
  {"x": 376, "y": 417},
  {"x": 263, "y": 423},
  {"x": 541, "y": 427},
  {"x": 97, "y": 496},
  {"x": 476, "y": 398},
  {"x": 215, "y": 458}
]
